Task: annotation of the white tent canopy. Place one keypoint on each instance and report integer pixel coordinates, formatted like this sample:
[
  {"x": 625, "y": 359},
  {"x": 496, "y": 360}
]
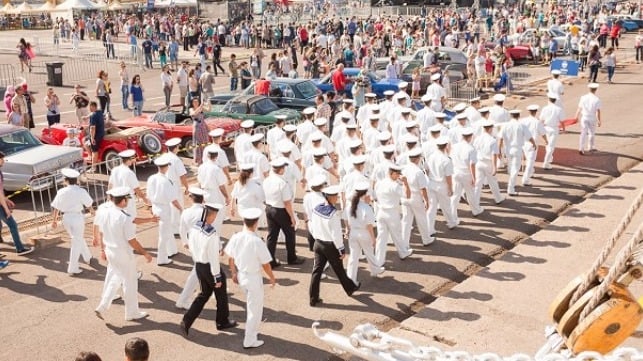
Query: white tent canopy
[
  {"x": 77, "y": 5},
  {"x": 116, "y": 5},
  {"x": 47, "y": 7},
  {"x": 175, "y": 3},
  {"x": 23, "y": 8},
  {"x": 7, "y": 8},
  {"x": 101, "y": 4}
]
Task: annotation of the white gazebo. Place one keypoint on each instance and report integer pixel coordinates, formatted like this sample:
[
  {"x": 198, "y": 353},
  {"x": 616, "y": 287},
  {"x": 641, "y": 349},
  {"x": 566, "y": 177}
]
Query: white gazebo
[
  {"x": 175, "y": 3},
  {"x": 77, "y": 5},
  {"x": 23, "y": 8},
  {"x": 47, "y": 7},
  {"x": 116, "y": 6},
  {"x": 7, "y": 8}
]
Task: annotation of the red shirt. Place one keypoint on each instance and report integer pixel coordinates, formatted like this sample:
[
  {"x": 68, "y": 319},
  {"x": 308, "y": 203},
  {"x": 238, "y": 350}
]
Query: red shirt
[
  {"x": 262, "y": 87},
  {"x": 339, "y": 80}
]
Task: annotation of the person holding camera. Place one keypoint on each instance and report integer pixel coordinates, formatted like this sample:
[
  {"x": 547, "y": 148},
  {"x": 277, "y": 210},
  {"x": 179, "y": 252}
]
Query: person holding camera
[{"x": 52, "y": 102}]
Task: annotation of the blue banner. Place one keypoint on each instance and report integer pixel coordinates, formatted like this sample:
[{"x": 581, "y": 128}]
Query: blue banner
[{"x": 566, "y": 67}]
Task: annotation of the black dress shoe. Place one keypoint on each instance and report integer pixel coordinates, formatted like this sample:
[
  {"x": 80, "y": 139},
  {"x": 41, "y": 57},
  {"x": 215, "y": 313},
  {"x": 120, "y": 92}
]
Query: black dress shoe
[
  {"x": 230, "y": 324},
  {"x": 315, "y": 302},
  {"x": 359, "y": 284},
  {"x": 275, "y": 264},
  {"x": 177, "y": 236},
  {"x": 298, "y": 260},
  {"x": 184, "y": 329}
]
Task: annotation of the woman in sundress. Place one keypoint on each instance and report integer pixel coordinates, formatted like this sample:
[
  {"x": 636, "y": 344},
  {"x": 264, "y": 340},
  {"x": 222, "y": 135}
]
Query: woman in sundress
[{"x": 199, "y": 130}]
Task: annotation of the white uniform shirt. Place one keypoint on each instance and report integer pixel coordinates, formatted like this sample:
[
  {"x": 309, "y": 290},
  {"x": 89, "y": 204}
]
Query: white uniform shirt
[
  {"x": 472, "y": 114},
  {"x": 380, "y": 170},
  {"x": 71, "y": 199},
  {"x": 416, "y": 179},
  {"x": 536, "y": 128},
  {"x": 123, "y": 176},
  {"x": 552, "y": 115},
  {"x": 515, "y": 134},
  {"x": 556, "y": 86},
  {"x": 314, "y": 170},
  {"x": 426, "y": 119},
  {"x": 118, "y": 228},
  {"x": 242, "y": 145},
  {"x": 589, "y": 104},
  {"x": 205, "y": 245},
  {"x": 222, "y": 159},
  {"x": 249, "y": 195},
  {"x": 277, "y": 191},
  {"x": 350, "y": 180},
  {"x": 211, "y": 177},
  {"x": 160, "y": 190},
  {"x": 325, "y": 225},
  {"x": 364, "y": 216},
  {"x": 260, "y": 161},
  {"x": 176, "y": 170},
  {"x": 389, "y": 193},
  {"x": 292, "y": 174},
  {"x": 369, "y": 137},
  {"x": 273, "y": 136},
  {"x": 440, "y": 167},
  {"x": 189, "y": 219},
  {"x": 249, "y": 251},
  {"x": 437, "y": 92},
  {"x": 304, "y": 130},
  {"x": 498, "y": 114},
  {"x": 310, "y": 201},
  {"x": 486, "y": 146},
  {"x": 463, "y": 155},
  {"x": 101, "y": 213}
]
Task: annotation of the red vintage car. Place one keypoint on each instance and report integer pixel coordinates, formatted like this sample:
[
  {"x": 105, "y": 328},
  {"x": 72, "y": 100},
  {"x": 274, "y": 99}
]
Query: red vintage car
[
  {"x": 144, "y": 141},
  {"x": 174, "y": 124},
  {"x": 517, "y": 53}
]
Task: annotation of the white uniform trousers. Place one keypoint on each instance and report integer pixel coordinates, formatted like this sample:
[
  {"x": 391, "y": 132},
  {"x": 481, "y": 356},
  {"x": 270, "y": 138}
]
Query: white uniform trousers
[
  {"x": 166, "y": 243},
  {"x": 587, "y": 133},
  {"x": 389, "y": 226},
  {"x": 191, "y": 285},
  {"x": 176, "y": 214},
  {"x": 530, "y": 162},
  {"x": 514, "y": 159},
  {"x": 439, "y": 198},
  {"x": 75, "y": 226},
  {"x": 123, "y": 264},
  {"x": 413, "y": 209},
  {"x": 109, "y": 292},
  {"x": 360, "y": 241},
  {"x": 484, "y": 175},
  {"x": 552, "y": 138},
  {"x": 463, "y": 184},
  {"x": 252, "y": 286}
]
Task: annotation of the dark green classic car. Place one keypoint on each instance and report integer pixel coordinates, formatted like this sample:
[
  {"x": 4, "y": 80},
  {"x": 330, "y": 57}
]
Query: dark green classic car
[{"x": 255, "y": 107}]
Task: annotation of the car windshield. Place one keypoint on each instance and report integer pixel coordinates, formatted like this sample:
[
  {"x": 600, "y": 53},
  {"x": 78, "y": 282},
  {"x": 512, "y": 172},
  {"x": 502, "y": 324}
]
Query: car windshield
[
  {"x": 240, "y": 108},
  {"x": 165, "y": 117},
  {"x": 308, "y": 89},
  {"x": 373, "y": 77},
  {"x": 17, "y": 141},
  {"x": 263, "y": 107},
  {"x": 556, "y": 32}
]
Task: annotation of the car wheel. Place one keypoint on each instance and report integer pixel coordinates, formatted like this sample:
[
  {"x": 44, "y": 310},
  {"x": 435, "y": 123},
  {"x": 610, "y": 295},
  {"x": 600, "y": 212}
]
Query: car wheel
[
  {"x": 188, "y": 145},
  {"x": 150, "y": 143},
  {"x": 111, "y": 159}
]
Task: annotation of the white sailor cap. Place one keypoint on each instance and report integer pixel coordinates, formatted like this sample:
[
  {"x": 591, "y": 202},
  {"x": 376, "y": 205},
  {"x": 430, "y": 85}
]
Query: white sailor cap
[
  {"x": 436, "y": 76},
  {"x": 499, "y": 98},
  {"x": 320, "y": 152},
  {"x": 69, "y": 173},
  {"x": 552, "y": 95},
  {"x": 355, "y": 143},
  {"x": 351, "y": 126},
  {"x": 284, "y": 146},
  {"x": 440, "y": 115},
  {"x": 435, "y": 128},
  {"x": 290, "y": 128},
  {"x": 461, "y": 116},
  {"x": 172, "y": 142},
  {"x": 466, "y": 131},
  {"x": 358, "y": 159},
  {"x": 375, "y": 108},
  {"x": 278, "y": 163},
  {"x": 389, "y": 93},
  {"x": 383, "y": 136},
  {"x": 213, "y": 206},
  {"x": 196, "y": 191},
  {"x": 474, "y": 100},
  {"x": 280, "y": 118},
  {"x": 331, "y": 190},
  {"x": 374, "y": 117},
  {"x": 483, "y": 110},
  {"x": 162, "y": 161},
  {"x": 514, "y": 111},
  {"x": 592, "y": 85},
  {"x": 442, "y": 140},
  {"x": 214, "y": 133},
  {"x": 399, "y": 96},
  {"x": 362, "y": 186},
  {"x": 426, "y": 98},
  {"x": 409, "y": 138},
  {"x": 246, "y": 166},
  {"x": 247, "y": 124},
  {"x": 316, "y": 137},
  {"x": 370, "y": 95},
  {"x": 459, "y": 107},
  {"x": 415, "y": 152},
  {"x": 389, "y": 148},
  {"x": 320, "y": 122},
  {"x": 395, "y": 168},
  {"x": 406, "y": 110},
  {"x": 555, "y": 72},
  {"x": 128, "y": 153},
  {"x": 348, "y": 101},
  {"x": 309, "y": 110},
  {"x": 250, "y": 213},
  {"x": 402, "y": 85},
  {"x": 344, "y": 116},
  {"x": 410, "y": 124},
  {"x": 487, "y": 123},
  {"x": 256, "y": 137},
  {"x": 533, "y": 107},
  {"x": 120, "y": 192},
  {"x": 318, "y": 180}
]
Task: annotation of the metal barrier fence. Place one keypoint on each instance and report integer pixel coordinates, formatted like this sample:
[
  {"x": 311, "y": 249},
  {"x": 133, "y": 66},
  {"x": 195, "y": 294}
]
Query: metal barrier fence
[
  {"x": 7, "y": 76},
  {"x": 44, "y": 190},
  {"x": 518, "y": 78},
  {"x": 461, "y": 91}
]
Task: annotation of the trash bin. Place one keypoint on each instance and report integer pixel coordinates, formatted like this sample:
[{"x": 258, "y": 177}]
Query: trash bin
[{"x": 55, "y": 74}]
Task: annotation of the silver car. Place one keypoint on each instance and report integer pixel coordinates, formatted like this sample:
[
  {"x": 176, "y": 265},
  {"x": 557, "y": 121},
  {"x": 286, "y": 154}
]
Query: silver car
[{"x": 29, "y": 162}]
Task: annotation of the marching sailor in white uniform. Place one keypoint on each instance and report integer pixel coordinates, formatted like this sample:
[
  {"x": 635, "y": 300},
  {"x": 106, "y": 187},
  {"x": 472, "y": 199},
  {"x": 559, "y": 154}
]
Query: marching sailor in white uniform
[{"x": 123, "y": 176}]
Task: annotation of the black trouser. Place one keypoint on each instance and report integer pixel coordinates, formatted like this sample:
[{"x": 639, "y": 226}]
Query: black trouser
[
  {"x": 615, "y": 42},
  {"x": 222, "y": 40},
  {"x": 311, "y": 241},
  {"x": 82, "y": 34},
  {"x": 593, "y": 73},
  {"x": 102, "y": 102},
  {"x": 327, "y": 252},
  {"x": 639, "y": 53},
  {"x": 186, "y": 43},
  {"x": 206, "y": 279},
  {"x": 216, "y": 62},
  {"x": 279, "y": 220}
]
